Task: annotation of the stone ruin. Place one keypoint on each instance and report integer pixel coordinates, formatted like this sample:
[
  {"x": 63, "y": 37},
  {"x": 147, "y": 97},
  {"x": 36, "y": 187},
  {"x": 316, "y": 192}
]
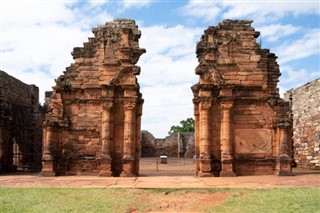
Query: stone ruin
[
  {"x": 305, "y": 102},
  {"x": 177, "y": 144},
  {"x": 242, "y": 126},
  {"x": 21, "y": 120},
  {"x": 93, "y": 121}
]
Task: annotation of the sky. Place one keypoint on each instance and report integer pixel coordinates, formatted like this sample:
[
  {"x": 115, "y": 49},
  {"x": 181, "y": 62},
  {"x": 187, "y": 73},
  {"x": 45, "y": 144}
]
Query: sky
[{"x": 37, "y": 38}]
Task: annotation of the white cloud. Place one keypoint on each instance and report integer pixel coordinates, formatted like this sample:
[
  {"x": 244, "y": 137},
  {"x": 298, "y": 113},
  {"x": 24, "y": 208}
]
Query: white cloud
[
  {"x": 98, "y": 2},
  {"x": 165, "y": 106},
  {"x": 127, "y": 4},
  {"x": 37, "y": 38},
  {"x": 202, "y": 10},
  {"x": 163, "y": 40},
  {"x": 274, "y": 32},
  {"x": 167, "y": 75},
  {"x": 260, "y": 11},
  {"x": 292, "y": 78},
  {"x": 304, "y": 47},
  {"x": 297, "y": 76}
]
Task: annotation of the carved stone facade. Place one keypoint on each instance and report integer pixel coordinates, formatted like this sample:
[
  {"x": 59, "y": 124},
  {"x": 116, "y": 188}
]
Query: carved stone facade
[
  {"x": 242, "y": 126},
  {"x": 20, "y": 125},
  {"x": 93, "y": 121},
  {"x": 305, "y": 102},
  {"x": 175, "y": 145}
]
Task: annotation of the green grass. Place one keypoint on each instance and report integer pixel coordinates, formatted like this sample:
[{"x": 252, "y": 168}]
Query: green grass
[
  {"x": 272, "y": 200},
  {"x": 122, "y": 200},
  {"x": 63, "y": 200}
]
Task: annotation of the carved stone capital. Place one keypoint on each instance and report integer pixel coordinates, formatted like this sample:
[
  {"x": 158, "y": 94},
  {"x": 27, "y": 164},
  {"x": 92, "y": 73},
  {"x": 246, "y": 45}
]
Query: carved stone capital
[
  {"x": 205, "y": 104},
  {"x": 226, "y": 105},
  {"x": 107, "y": 105},
  {"x": 130, "y": 105}
]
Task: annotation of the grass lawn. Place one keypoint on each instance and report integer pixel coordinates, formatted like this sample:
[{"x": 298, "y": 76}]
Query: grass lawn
[{"x": 166, "y": 200}]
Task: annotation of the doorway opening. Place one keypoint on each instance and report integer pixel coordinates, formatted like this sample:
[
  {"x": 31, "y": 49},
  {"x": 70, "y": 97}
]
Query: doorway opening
[{"x": 169, "y": 156}]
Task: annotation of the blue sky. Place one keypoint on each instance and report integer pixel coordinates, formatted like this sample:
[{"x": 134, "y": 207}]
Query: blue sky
[{"x": 37, "y": 37}]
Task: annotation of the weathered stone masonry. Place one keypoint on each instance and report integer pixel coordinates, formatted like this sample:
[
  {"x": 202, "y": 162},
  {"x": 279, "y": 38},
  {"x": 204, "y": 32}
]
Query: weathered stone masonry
[
  {"x": 242, "y": 126},
  {"x": 93, "y": 122},
  {"x": 20, "y": 125},
  {"x": 305, "y": 102},
  {"x": 178, "y": 144}
]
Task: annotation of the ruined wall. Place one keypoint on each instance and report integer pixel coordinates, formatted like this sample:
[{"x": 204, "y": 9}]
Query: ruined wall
[
  {"x": 242, "y": 126},
  {"x": 20, "y": 125},
  {"x": 175, "y": 145},
  {"x": 94, "y": 113},
  {"x": 305, "y": 102}
]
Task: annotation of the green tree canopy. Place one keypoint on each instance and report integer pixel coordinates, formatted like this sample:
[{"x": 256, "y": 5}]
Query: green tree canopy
[{"x": 185, "y": 126}]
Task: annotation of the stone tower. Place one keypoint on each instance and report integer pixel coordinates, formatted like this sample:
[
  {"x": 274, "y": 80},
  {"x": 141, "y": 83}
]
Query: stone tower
[
  {"x": 94, "y": 113},
  {"x": 242, "y": 125}
]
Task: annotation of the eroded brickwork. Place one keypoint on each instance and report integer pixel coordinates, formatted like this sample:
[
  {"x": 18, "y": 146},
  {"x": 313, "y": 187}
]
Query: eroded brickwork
[
  {"x": 175, "y": 145},
  {"x": 305, "y": 102},
  {"x": 93, "y": 120},
  {"x": 242, "y": 125},
  {"x": 20, "y": 125}
]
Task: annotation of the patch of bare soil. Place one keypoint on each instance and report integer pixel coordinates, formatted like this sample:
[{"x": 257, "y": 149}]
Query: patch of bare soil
[{"x": 185, "y": 201}]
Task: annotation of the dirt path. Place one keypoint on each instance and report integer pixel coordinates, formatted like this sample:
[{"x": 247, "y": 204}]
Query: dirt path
[{"x": 28, "y": 180}]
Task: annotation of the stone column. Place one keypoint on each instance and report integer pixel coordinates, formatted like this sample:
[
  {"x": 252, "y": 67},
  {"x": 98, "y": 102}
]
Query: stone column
[
  {"x": 47, "y": 157},
  {"x": 138, "y": 139},
  {"x": 129, "y": 140},
  {"x": 196, "y": 136},
  {"x": 283, "y": 162},
  {"x": 205, "y": 139},
  {"x": 106, "y": 140},
  {"x": 226, "y": 141}
]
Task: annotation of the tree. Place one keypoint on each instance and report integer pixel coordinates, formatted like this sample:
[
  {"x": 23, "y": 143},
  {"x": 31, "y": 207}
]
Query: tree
[{"x": 185, "y": 126}]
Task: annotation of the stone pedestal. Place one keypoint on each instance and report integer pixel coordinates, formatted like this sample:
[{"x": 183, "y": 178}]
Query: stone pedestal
[
  {"x": 128, "y": 168},
  {"x": 227, "y": 168},
  {"x": 106, "y": 169},
  {"x": 283, "y": 166},
  {"x": 205, "y": 168},
  {"x": 47, "y": 166}
]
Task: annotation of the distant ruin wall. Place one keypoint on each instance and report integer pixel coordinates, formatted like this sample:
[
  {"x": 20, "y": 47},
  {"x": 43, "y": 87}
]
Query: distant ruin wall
[
  {"x": 20, "y": 124},
  {"x": 305, "y": 102},
  {"x": 175, "y": 145}
]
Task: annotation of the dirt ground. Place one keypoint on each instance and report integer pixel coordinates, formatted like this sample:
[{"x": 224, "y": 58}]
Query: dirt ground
[
  {"x": 178, "y": 173},
  {"x": 185, "y": 201}
]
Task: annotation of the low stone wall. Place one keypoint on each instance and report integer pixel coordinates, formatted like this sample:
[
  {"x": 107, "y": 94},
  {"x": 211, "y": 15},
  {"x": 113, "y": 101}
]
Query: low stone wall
[
  {"x": 20, "y": 125},
  {"x": 175, "y": 145},
  {"x": 305, "y": 102}
]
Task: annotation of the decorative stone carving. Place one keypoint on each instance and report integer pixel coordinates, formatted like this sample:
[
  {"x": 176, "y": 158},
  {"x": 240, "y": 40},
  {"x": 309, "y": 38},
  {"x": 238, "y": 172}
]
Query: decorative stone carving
[
  {"x": 246, "y": 128},
  {"x": 93, "y": 122}
]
